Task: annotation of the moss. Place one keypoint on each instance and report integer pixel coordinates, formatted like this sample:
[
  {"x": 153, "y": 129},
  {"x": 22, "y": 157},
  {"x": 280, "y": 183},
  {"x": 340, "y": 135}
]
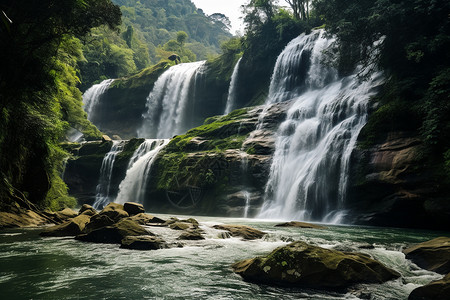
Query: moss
[{"x": 144, "y": 78}]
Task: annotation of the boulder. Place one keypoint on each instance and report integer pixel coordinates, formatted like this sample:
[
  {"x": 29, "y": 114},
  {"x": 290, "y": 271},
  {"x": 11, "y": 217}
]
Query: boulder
[
  {"x": 181, "y": 226},
  {"x": 98, "y": 221},
  {"x": 113, "y": 234},
  {"x": 66, "y": 214},
  {"x": 300, "y": 225},
  {"x": 146, "y": 219},
  {"x": 70, "y": 228},
  {"x": 245, "y": 232},
  {"x": 114, "y": 211},
  {"x": 432, "y": 255},
  {"x": 86, "y": 209},
  {"x": 133, "y": 208},
  {"x": 301, "y": 265},
  {"x": 145, "y": 242},
  {"x": 439, "y": 289},
  {"x": 25, "y": 218},
  {"x": 192, "y": 235}
]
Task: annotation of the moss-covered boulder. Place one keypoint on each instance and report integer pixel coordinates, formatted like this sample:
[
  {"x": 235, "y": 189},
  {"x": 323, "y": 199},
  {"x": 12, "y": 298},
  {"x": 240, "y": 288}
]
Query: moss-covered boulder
[
  {"x": 133, "y": 208},
  {"x": 301, "y": 265},
  {"x": 146, "y": 219},
  {"x": 145, "y": 242},
  {"x": 114, "y": 211},
  {"x": 191, "y": 235},
  {"x": 439, "y": 289},
  {"x": 66, "y": 213},
  {"x": 86, "y": 209},
  {"x": 70, "y": 228},
  {"x": 113, "y": 234},
  {"x": 432, "y": 255},
  {"x": 243, "y": 231}
]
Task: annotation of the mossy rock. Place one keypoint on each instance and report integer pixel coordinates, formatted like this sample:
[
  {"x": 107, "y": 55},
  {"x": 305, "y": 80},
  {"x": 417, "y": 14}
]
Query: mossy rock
[
  {"x": 145, "y": 242},
  {"x": 432, "y": 255},
  {"x": 70, "y": 228},
  {"x": 301, "y": 265},
  {"x": 439, "y": 289},
  {"x": 243, "y": 231}
]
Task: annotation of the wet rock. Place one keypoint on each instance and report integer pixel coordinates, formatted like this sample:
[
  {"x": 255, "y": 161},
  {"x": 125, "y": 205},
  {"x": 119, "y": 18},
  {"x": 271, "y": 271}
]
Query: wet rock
[
  {"x": 86, "y": 209},
  {"x": 114, "y": 211},
  {"x": 67, "y": 213},
  {"x": 145, "y": 242},
  {"x": 301, "y": 265},
  {"x": 224, "y": 235},
  {"x": 70, "y": 228},
  {"x": 432, "y": 255},
  {"x": 181, "y": 226},
  {"x": 245, "y": 232},
  {"x": 98, "y": 221},
  {"x": 300, "y": 225},
  {"x": 113, "y": 234},
  {"x": 25, "y": 218},
  {"x": 439, "y": 289},
  {"x": 133, "y": 208},
  {"x": 146, "y": 219},
  {"x": 193, "y": 235}
]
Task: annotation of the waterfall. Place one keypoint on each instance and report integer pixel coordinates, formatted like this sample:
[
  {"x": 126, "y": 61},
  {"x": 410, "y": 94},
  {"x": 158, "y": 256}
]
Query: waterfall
[
  {"x": 133, "y": 187},
  {"x": 92, "y": 97},
  {"x": 167, "y": 105},
  {"x": 309, "y": 172},
  {"x": 103, "y": 197},
  {"x": 231, "y": 100}
]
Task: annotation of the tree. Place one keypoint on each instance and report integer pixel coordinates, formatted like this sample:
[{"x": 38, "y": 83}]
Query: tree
[
  {"x": 181, "y": 37},
  {"x": 300, "y": 8},
  {"x": 222, "y": 20}
]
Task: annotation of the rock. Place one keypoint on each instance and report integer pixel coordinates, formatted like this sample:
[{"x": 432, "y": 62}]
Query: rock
[
  {"x": 25, "y": 218},
  {"x": 114, "y": 211},
  {"x": 70, "y": 228},
  {"x": 191, "y": 235},
  {"x": 300, "y": 225},
  {"x": 224, "y": 235},
  {"x": 116, "y": 137},
  {"x": 106, "y": 138},
  {"x": 145, "y": 242},
  {"x": 181, "y": 226},
  {"x": 432, "y": 255},
  {"x": 245, "y": 232},
  {"x": 86, "y": 209},
  {"x": 66, "y": 213},
  {"x": 133, "y": 208},
  {"x": 146, "y": 219},
  {"x": 301, "y": 265},
  {"x": 439, "y": 289},
  {"x": 113, "y": 234},
  {"x": 98, "y": 221}
]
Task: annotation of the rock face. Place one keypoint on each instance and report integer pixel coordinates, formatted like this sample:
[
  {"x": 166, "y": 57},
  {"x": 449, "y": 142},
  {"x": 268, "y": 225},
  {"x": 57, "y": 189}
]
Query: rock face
[
  {"x": 391, "y": 186},
  {"x": 439, "y": 289},
  {"x": 432, "y": 255},
  {"x": 301, "y": 265},
  {"x": 245, "y": 232}
]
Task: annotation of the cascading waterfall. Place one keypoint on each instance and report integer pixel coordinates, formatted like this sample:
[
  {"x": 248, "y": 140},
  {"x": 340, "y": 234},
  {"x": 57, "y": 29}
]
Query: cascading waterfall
[
  {"x": 93, "y": 95},
  {"x": 103, "y": 197},
  {"x": 231, "y": 100},
  {"x": 133, "y": 187},
  {"x": 167, "y": 104},
  {"x": 309, "y": 171}
]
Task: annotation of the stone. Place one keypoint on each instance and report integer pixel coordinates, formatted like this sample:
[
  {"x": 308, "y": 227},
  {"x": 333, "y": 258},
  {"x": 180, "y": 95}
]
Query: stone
[
  {"x": 181, "y": 226},
  {"x": 243, "y": 231},
  {"x": 86, "y": 209},
  {"x": 106, "y": 138},
  {"x": 302, "y": 265},
  {"x": 432, "y": 255},
  {"x": 439, "y": 289},
  {"x": 70, "y": 228},
  {"x": 66, "y": 213},
  {"x": 145, "y": 242},
  {"x": 146, "y": 219},
  {"x": 25, "y": 218},
  {"x": 300, "y": 225},
  {"x": 98, "y": 221},
  {"x": 133, "y": 208},
  {"x": 114, "y": 211},
  {"x": 114, "y": 234},
  {"x": 192, "y": 235}
]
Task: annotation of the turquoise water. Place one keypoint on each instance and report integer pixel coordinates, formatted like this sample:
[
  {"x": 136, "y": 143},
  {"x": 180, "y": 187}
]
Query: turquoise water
[{"x": 32, "y": 267}]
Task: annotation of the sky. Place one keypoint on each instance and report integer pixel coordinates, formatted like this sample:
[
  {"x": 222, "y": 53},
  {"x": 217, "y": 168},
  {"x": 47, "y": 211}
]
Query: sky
[{"x": 230, "y": 8}]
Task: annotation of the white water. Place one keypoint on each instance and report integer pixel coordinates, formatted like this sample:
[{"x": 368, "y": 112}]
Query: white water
[
  {"x": 93, "y": 95},
  {"x": 133, "y": 187},
  {"x": 309, "y": 172},
  {"x": 167, "y": 105},
  {"x": 102, "y": 197},
  {"x": 231, "y": 100}
]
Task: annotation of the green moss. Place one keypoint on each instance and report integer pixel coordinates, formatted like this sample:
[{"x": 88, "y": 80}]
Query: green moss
[{"x": 145, "y": 78}]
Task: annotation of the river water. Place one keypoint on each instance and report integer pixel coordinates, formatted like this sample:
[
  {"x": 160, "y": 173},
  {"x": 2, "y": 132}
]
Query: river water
[{"x": 32, "y": 267}]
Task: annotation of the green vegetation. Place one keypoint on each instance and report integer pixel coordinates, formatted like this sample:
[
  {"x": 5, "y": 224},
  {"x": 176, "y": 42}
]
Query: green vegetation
[{"x": 39, "y": 99}]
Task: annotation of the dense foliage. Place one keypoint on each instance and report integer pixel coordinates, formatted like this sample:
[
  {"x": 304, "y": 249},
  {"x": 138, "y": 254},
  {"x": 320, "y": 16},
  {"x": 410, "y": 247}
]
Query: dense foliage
[
  {"x": 412, "y": 42},
  {"x": 38, "y": 93}
]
